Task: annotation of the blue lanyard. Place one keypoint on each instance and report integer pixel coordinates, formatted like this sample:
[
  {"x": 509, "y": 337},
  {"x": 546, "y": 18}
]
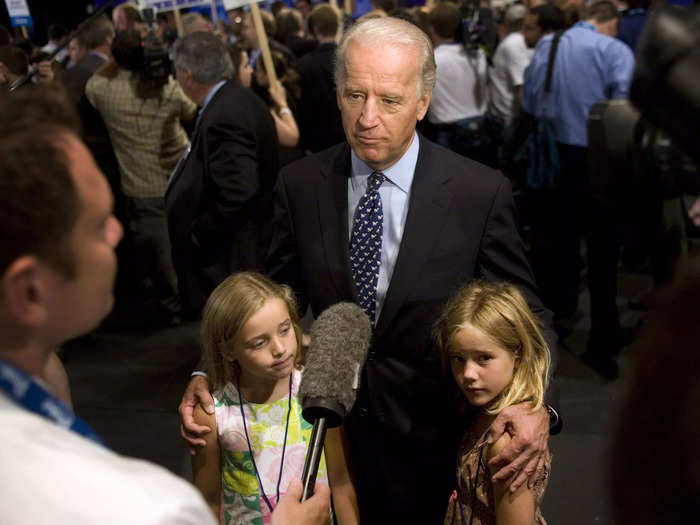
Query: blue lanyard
[
  {"x": 29, "y": 394},
  {"x": 250, "y": 448}
]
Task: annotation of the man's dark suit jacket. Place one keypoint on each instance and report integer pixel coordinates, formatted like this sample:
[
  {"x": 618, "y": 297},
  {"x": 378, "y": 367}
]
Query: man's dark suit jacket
[
  {"x": 219, "y": 200},
  {"x": 95, "y": 132},
  {"x": 319, "y": 117},
  {"x": 403, "y": 431},
  {"x": 76, "y": 77}
]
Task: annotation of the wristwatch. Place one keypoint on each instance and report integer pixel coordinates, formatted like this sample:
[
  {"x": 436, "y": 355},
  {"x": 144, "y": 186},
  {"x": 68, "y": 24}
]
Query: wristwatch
[{"x": 555, "y": 422}]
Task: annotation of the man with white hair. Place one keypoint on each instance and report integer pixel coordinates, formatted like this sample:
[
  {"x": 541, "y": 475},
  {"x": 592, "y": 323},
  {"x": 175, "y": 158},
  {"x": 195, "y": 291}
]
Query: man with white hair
[
  {"x": 438, "y": 219},
  {"x": 219, "y": 198}
]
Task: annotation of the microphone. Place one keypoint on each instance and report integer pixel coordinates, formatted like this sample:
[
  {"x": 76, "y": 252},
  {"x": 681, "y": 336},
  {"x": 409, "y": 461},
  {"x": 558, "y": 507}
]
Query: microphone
[{"x": 340, "y": 339}]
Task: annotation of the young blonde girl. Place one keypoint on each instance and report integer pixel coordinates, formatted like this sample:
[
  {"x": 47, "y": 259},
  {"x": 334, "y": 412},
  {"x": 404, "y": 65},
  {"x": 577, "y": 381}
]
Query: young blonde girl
[
  {"x": 252, "y": 343},
  {"x": 490, "y": 341}
]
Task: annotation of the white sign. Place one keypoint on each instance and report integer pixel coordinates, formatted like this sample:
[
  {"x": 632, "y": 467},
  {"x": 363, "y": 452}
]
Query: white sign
[
  {"x": 233, "y": 4},
  {"x": 19, "y": 13},
  {"x": 171, "y": 5}
]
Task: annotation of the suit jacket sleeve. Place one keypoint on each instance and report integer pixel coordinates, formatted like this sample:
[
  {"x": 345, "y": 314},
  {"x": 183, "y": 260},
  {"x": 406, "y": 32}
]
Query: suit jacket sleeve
[
  {"x": 502, "y": 258},
  {"x": 232, "y": 172}
]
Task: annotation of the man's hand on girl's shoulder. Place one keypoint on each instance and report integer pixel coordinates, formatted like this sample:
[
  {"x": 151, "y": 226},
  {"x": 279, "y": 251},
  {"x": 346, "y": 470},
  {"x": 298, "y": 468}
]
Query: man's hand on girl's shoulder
[{"x": 523, "y": 459}]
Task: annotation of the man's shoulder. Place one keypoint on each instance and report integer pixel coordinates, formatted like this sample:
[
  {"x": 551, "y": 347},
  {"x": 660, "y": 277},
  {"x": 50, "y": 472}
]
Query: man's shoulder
[
  {"x": 316, "y": 59},
  {"x": 335, "y": 160},
  {"x": 233, "y": 100},
  {"x": 91, "y": 62},
  {"x": 465, "y": 172},
  {"x": 94, "y": 478},
  {"x": 616, "y": 47},
  {"x": 96, "y": 82},
  {"x": 514, "y": 40}
]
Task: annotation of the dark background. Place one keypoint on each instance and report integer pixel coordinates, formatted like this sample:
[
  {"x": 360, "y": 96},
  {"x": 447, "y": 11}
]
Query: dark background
[{"x": 68, "y": 13}]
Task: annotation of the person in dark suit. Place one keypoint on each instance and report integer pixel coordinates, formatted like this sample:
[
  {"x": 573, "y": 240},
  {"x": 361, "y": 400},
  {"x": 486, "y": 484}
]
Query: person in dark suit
[
  {"x": 319, "y": 116},
  {"x": 444, "y": 220},
  {"x": 219, "y": 198},
  {"x": 97, "y": 39}
]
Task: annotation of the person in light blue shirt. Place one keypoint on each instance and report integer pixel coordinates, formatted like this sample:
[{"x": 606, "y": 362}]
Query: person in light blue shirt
[{"x": 590, "y": 66}]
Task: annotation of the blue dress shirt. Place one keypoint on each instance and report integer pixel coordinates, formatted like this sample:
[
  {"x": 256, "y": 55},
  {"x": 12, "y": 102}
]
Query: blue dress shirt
[
  {"x": 589, "y": 67},
  {"x": 395, "y": 192}
]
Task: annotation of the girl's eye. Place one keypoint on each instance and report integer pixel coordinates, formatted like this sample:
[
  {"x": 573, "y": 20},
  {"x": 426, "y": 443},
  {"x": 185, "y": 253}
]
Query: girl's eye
[
  {"x": 484, "y": 358},
  {"x": 456, "y": 359},
  {"x": 258, "y": 343},
  {"x": 285, "y": 329}
]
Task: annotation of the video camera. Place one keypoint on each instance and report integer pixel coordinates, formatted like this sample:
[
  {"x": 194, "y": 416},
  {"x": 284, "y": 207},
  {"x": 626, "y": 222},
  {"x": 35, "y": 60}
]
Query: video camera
[
  {"x": 656, "y": 135},
  {"x": 156, "y": 60}
]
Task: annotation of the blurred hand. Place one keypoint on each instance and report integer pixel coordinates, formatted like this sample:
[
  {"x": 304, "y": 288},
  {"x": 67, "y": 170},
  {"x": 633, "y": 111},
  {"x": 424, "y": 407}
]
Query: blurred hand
[
  {"x": 694, "y": 212},
  {"x": 44, "y": 72},
  {"x": 197, "y": 393},
  {"x": 314, "y": 511},
  {"x": 278, "y": 95}
]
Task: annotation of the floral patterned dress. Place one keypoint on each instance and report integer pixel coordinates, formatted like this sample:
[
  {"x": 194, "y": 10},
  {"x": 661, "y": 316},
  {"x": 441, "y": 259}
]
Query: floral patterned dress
[
  {"x": 242, "y": 501},
  {"x": 473, "y": 502}
]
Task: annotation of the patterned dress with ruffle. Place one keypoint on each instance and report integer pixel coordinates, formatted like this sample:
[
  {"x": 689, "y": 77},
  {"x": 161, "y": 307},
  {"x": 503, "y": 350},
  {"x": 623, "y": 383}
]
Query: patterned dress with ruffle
[
  {"x": 464, "y": 502},
  {"x": 242, "y": 502}
]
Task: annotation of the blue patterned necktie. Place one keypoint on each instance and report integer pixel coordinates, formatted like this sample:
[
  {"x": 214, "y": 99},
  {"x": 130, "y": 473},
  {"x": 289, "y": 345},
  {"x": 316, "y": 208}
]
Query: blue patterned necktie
[{"x": 366, "y": 244}]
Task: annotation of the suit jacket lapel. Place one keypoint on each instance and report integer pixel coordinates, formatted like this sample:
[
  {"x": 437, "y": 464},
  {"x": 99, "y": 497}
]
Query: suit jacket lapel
[
  {"x": 428, "y": 205},
  {"x": 332, "y": 197}
]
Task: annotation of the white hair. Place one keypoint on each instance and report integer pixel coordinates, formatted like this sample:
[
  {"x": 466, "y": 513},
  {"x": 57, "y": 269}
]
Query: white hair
[{"x": 395, "y": 32}]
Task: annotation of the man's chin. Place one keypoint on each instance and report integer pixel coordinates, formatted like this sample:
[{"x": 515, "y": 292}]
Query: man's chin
[{"x": 372, "y": 156}]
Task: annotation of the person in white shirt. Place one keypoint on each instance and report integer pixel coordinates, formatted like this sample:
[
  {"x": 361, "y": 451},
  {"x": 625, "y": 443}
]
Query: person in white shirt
[
  {"x": 460, "y": 96},
  {"x": 509, "y": 62},
  {"x": 57, "y": 269}
]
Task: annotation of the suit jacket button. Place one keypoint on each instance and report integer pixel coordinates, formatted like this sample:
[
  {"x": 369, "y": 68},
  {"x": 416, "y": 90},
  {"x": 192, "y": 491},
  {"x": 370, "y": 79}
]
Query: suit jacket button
[
  {"x": 362, "y": 412},
  {"x": 371, "y": 355}
]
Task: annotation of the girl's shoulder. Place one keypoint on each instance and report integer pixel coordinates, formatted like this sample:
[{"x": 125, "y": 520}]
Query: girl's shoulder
[{"x": 495, "y": 448}]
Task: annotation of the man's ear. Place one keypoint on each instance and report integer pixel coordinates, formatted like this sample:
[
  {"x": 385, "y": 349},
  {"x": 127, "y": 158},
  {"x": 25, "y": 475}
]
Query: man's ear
[
  {"x": 25, "y": 287},
  {"x": 423, "y": 104}
]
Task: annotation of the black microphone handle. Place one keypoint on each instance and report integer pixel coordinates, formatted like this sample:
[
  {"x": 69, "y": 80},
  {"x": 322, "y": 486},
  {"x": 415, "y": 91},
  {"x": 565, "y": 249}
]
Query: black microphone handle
[{"x": 313, "y": 457}]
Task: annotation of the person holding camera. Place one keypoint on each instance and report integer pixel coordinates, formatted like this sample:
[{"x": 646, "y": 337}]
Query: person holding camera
[{"x": 143, "y": 106}]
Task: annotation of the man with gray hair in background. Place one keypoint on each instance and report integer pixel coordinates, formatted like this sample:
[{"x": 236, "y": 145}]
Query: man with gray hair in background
[
  {"x": 219, "y": 197},
  {"x": 193, "y": 22},
  {"x": 437, "y": 220}
]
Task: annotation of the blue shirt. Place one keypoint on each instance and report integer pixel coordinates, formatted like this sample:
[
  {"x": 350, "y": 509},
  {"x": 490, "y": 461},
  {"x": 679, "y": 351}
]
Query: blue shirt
[
  {"x": 589, "y": 67},
  {"x": 394, "y": 191}
]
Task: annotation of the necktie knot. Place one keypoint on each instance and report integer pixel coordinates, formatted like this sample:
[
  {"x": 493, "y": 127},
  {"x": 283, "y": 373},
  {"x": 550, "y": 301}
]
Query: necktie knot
[{"x": 375, "y": 181}]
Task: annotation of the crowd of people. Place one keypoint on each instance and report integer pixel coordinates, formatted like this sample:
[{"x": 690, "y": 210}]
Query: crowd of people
[{"x": 385, "y": 163}]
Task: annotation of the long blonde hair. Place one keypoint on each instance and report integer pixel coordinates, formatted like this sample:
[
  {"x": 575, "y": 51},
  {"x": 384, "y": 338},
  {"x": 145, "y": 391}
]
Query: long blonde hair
[
  {"x": 500, "y": 311},
  {"x": 228, "y": 309}
]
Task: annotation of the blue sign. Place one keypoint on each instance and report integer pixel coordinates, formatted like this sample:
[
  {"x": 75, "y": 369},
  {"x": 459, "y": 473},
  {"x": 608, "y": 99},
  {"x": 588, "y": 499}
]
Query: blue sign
[{"x": 19, "y": 13}]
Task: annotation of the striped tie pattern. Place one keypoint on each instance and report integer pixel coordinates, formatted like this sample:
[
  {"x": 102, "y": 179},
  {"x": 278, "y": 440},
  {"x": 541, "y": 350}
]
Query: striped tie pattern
[{"x": 366, "y": 244}]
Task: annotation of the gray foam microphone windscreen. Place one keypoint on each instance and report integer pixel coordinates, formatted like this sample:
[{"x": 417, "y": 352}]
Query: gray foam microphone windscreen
[{"x": 340, "y": 339}]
